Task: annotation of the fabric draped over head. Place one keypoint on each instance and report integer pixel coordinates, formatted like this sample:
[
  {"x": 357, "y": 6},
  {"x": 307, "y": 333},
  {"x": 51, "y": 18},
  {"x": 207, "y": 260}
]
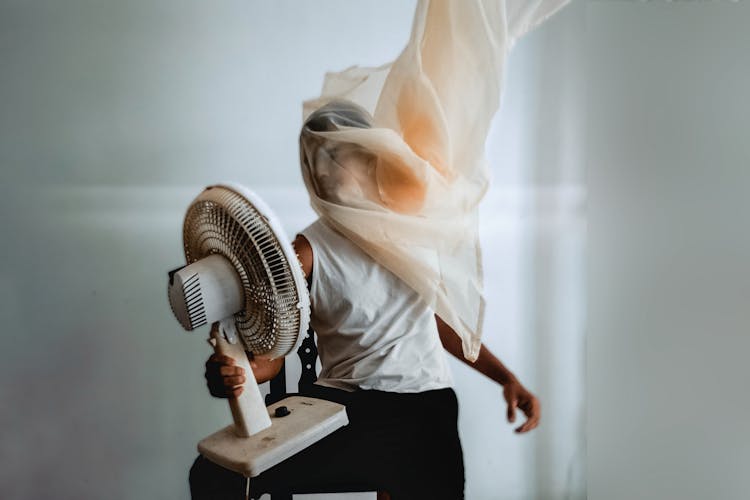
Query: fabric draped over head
[{"x": 393, "y": 156}]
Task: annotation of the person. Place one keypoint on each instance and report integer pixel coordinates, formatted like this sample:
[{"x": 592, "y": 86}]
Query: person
[
  {"x": 392, "y": 158},
  {"x": 382, "y": 353}
]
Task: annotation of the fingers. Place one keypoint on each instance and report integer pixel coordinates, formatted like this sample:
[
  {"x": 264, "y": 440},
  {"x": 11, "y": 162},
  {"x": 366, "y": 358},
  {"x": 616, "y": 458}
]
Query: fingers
[
  {"x": 232, "y": 375},
  {"x": 234, "y": 380},
  {"x": 527, "y": 426},
  {"x": 510, "y": 397},
  {"x": 532, "y": 409},
  {"x": 215, "y": 327},
  {"x": 512, "y": 410},
  {"x": 221, "y": 359},
  {"x": 226, "y": 370},
  {"x": 225, "y": 378}
]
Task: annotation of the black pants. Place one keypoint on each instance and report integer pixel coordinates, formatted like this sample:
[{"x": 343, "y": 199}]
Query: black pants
[{"x": 404, "y": 443}]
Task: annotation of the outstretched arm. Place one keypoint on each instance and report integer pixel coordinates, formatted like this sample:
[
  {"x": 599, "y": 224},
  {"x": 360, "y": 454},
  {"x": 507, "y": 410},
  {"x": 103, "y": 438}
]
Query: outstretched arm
[{"x": 516, "y": 395}]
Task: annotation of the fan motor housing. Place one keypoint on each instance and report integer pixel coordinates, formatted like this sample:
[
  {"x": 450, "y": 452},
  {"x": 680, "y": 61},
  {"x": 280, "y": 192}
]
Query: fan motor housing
[{"x": 205, "y": 291}]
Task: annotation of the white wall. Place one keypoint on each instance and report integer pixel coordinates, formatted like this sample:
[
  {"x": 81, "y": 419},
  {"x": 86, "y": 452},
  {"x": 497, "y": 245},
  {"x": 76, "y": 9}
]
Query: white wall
[
  {"x": 116, "y": 113},
  {"x": 668, "y": 165}
]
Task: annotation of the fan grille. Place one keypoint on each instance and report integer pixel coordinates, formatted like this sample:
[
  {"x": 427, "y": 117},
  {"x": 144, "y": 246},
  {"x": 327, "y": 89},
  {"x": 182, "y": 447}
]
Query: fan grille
[{"x": 223, "y": 221}]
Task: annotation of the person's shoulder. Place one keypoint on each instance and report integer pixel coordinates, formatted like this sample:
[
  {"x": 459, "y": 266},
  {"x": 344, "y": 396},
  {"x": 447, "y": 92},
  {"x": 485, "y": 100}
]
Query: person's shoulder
[
  {"x": 327, "y": 241},
  {"x": 304, "y": 253}
]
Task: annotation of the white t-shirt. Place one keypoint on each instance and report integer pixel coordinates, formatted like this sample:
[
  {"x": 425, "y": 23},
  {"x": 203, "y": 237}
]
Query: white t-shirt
[{"x": 374, "y": 331}]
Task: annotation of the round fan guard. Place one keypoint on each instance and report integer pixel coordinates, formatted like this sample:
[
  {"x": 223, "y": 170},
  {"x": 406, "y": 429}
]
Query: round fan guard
[{"x": 232, "y": 221}]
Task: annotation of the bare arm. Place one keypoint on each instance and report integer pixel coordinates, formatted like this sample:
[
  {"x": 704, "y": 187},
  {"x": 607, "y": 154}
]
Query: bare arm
[
  {"x": 304, "y": 253},
  {"x": 486, "y": 364},
  {"x": 489, "y": 365}
]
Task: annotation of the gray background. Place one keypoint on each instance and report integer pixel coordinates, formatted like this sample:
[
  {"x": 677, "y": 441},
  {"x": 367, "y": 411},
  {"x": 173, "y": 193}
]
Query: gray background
[
  {"x": 668, "y": 172},
  {"x": 620, "y": 183}
]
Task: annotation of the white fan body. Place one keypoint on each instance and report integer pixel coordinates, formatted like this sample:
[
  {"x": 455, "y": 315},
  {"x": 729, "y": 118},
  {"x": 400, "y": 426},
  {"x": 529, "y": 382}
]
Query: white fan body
[{"x": 244, "y": 274}]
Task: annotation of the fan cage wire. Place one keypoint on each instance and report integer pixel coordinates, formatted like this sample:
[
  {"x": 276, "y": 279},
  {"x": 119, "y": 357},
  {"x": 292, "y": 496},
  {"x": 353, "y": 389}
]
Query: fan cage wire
[{"x": 221, "y": 221}]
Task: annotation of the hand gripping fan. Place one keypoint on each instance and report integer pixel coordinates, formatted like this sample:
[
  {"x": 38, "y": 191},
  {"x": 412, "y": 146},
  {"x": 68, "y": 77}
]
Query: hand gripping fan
[{"x": 242, "y": 273}]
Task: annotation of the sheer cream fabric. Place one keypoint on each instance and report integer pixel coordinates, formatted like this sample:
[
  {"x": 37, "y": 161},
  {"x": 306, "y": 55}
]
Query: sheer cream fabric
[{"x": 393, "y": 156}]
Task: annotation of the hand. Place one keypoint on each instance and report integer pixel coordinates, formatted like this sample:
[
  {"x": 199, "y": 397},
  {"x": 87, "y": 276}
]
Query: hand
[
  {"x": 517, "y": 396},
  {"x": 264, "y": 369},
  {"x": 224, "y": 379}
]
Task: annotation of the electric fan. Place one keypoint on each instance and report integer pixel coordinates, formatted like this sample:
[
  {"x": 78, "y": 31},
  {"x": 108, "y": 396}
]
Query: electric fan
[{"x": 244, "y": 274}]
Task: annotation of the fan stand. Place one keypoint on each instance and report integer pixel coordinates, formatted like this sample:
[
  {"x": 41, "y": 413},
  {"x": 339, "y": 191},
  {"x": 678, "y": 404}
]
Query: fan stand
[{"x": 259, "y": 439}]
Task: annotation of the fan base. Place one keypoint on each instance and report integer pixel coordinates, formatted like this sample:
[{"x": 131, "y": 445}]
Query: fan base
[{"x": 309, "y": 421}]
